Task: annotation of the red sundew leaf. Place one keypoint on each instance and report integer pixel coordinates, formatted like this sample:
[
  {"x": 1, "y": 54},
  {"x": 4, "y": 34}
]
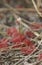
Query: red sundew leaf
[
  {"x": 32, "y": 46},
  {"x": 6, "y": 41},
  {"x": 3, "y": 45},
  {"x": 22, "y": 37},
  {"x": 17, "y": 45},
  {"x": 40, "y": 57},
  {"x": 3, "y": 41},
  {"x": 30, "y": 34},
  {"x": 19, "y": 38},
  {"x": 10, "y": 31},
  {"x": 26, "y": 50},
  {"x": 28, "y": 42},
  {"x": 15, "y": 34}
]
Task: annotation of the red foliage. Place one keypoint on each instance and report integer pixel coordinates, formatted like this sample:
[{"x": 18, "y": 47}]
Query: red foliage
[{"x": 30, "y": 34}]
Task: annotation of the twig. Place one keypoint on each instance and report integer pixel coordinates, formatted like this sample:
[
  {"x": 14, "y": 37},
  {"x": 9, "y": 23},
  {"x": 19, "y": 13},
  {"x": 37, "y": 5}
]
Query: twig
[{"x": 36, "y": 8}]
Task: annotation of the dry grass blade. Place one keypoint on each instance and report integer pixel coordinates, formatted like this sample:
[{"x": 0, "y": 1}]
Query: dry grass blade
[{"x": 36, "y": 8}]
